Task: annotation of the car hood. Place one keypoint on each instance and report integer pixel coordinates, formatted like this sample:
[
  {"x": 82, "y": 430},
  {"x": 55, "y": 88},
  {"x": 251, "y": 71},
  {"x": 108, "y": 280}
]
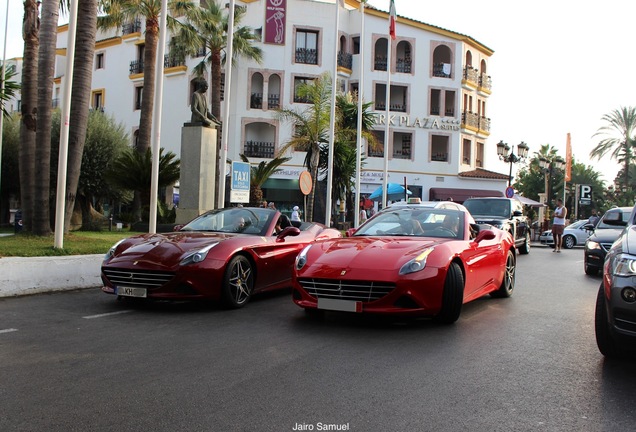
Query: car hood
[
  {"x": 369, "y": 253},
  {"x": 485, "y": 218},
  {"x": 167, "y": 248},
  {"x": 606, "y": 235}
]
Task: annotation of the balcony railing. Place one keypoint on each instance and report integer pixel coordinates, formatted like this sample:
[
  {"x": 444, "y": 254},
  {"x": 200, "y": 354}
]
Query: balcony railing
[
  {"x": 301, "y": 99},
  {"x": 439, "y": 157},
  {"x": 256, "y": 100},
  {"x": 136, "y": 67},
  {"x": 403, "y": 65},
  {"x": 471, "y": 74},
  {"x": 470, "y": 119},
  {"x": 307, "y": 56},
  {"x": 380, "y": 63},
  {"x": 345, "y": 60},
  {"x": 273, "y": 101},
  {"x": 259, "y": 149},
  {"x": 173, "y": 61},
  {"x": 376, "y": 153},
  {"x": 380, "y": 106},
  {"x": 442, "y": 70},
  {"x": 485, "y": 81},
  {"x": 484, "y": 124},
  {"x": 132, "y": 27}
]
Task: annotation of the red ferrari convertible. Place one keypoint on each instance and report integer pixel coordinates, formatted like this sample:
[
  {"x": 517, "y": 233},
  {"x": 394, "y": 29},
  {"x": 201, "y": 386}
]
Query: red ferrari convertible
[
  {"x": 226, "y": 255},
  {"x": 411, "y": 262}
]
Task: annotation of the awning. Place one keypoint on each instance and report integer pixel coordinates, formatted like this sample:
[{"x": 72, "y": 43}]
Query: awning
[
  {"x": 528, "y": 201},
  {"x": 460, "y": 195}
]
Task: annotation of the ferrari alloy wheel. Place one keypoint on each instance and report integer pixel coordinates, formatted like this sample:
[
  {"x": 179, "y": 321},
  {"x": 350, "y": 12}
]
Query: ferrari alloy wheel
[
  {"x": 453, "y": 295},
  {"x": 525, "y": 247},
  {"x": 508, "y": 282},
  {"x": 604, "y": 339},
  {"x": 237, "y": 282},
  {"x": 568, "y": 241}
]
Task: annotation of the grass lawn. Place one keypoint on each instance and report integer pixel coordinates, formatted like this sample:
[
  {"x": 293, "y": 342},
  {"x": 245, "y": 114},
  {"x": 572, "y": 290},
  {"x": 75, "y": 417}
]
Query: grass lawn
[{"x": 75, "y": 243}]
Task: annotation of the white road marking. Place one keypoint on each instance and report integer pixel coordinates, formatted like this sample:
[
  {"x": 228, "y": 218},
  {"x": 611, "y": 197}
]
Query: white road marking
[
  {"x": 8, "y": 330},
  {"x": 107, "y": 314}
]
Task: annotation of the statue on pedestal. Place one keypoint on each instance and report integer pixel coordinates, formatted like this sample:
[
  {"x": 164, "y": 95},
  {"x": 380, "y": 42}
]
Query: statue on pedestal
[{"x": 199, "y": 106}]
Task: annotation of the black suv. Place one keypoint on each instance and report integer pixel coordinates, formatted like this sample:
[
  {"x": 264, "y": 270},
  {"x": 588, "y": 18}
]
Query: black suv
[
  {"x": 605, "y": 232},
  {"x": 615, "y": 318},
  {"x": 505, "y": 214}
]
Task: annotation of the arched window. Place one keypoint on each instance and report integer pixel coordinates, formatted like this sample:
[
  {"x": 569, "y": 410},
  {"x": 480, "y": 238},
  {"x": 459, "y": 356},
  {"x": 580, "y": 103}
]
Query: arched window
[
  {"x": 256, "y": 88},
  {"x": 442, "y": 63},
  {"x": 273, "y": 93},
  {"x": 403, "y": 60},
  {"x": 381, "y": 54}
]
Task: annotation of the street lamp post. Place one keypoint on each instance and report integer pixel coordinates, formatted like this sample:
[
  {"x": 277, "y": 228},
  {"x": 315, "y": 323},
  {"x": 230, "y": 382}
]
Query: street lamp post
[
  {"x": 507, "y": 155},
  {"x": 549, "y": 167}
]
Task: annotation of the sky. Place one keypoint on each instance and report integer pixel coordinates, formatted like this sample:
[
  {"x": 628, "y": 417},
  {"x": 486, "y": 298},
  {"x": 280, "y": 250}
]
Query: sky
[{"x": 558, "y": 65}]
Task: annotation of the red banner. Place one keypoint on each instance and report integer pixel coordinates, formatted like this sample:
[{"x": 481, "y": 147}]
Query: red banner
[{"x": 275, "y": 19}]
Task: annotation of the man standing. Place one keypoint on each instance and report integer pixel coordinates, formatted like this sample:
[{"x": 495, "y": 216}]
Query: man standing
[
  {"x": 558, "y": 224},
  {"x": 594, "y": 218}
]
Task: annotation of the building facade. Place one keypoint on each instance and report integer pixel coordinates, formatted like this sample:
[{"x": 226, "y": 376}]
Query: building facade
[{"x": 439, "y": 91}]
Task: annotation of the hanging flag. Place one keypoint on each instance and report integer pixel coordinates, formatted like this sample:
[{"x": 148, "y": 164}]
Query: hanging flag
[
  {"x": 392, "y": 19},
  {"x": 568, "y": 160}
]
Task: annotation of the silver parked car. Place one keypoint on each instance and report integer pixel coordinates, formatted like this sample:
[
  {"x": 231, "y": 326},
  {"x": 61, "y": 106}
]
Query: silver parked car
[{"x": 573, "y": 234}]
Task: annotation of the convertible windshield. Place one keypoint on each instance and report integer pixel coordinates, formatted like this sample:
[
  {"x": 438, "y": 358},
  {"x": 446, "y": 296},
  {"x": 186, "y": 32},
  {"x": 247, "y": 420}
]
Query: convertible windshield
[
  {"x": 241, "y": 220},
  {"x": 443, "y": 223}
]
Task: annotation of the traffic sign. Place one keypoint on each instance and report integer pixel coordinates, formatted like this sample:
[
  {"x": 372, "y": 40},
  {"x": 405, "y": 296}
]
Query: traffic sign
[
  {"x": 305, "y": 182},
  {"x": 510, "y": 192}
]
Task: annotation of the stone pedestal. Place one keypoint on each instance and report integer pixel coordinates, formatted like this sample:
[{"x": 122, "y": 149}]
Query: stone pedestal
[{"x": 198, "y": 172}]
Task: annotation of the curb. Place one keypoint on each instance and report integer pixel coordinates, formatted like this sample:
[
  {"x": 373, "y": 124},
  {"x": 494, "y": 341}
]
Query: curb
[{"x": 23, "y": 276}]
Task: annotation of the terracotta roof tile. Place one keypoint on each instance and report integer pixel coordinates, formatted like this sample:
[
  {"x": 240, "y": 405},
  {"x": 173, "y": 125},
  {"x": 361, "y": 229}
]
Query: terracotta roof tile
[{"x": 485, "y": 174}]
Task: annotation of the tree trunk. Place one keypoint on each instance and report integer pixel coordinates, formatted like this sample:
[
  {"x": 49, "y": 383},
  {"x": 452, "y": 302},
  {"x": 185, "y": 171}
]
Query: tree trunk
[
  {"x": 147, "y": 99},
  {"x": 29, "y": 90},
  {"x": 315, "y": 160},
  {"x": 80, "y": 100},
  {"x": 216, "y": 84},
  {"x": 46, "y": 72}
]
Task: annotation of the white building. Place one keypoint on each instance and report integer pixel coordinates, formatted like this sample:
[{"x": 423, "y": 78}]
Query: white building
[{"x": 440, "y": 86}]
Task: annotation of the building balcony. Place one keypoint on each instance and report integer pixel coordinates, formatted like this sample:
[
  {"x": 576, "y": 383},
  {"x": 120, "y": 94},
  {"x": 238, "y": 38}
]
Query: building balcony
[
  {"x": 485, "y": 83},
  {"x": 403, "y": 65},
  {"x": 173, "y": 61},
  {"x": 345, "y": 60},
  {"x": 273, "y": 101},
  {"x": 470, "y": 120},
  {"x": 484, "y": 124},
  {"x": 439, "y": 157},
  {"x": 307, "y": 56},
  {"x": 381, "y": 106},
  {"x": 136, "y": 67},
  {"x": 442, "y": 70},
  {"x": 131, "y": 27},
  {"x": 259, "y": 149},
  {"x": 471, "y": 75},
  {"x": 380, "y": 63}
]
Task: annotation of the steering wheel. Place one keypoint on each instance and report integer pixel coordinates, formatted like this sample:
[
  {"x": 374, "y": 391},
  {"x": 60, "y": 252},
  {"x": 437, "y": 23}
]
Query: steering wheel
[{"x": 445, "y": 230}]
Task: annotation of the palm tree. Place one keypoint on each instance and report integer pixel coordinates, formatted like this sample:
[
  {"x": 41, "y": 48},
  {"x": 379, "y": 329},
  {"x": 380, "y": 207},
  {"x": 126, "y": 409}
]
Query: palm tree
[
  {"x": 28, "y": 97},
  {"x": 80, "y": 100},
  {"x": 133, "y": 170},
  {"x": 207, "y": 27},
  {"x": 10, "y": 88},
  {"x": 119, "y": 12},
  {"x": 259, "y": 175},
  {"x": 311, "y": 128},
  {"x": 619, "y": 138}
]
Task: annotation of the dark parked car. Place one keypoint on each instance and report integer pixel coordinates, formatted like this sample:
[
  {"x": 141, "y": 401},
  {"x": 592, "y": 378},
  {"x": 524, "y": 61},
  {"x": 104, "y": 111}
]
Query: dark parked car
[
  {"x": 605, "y": 233},
  {"x": 503, "y": 213},
  {"x": 615, "y": 320}
]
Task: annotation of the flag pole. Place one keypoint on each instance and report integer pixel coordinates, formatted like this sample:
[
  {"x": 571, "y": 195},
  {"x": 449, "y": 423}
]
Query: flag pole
[
  {"x": 385, "y": 176},
  {"x": 332, "y": 120},
  {"x": 356, "y": 220}
]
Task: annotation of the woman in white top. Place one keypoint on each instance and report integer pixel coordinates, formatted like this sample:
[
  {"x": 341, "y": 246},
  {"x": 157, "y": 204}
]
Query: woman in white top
[
  {"x": 558, "y": 224},
  {"x": 295, "y": 216}
]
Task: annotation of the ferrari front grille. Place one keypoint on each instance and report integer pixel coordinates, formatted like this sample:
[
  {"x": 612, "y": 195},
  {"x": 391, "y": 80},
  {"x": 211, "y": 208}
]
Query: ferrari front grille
[
  {"x": 137, "y": 278},
  {"x": 364, "y": 291}
]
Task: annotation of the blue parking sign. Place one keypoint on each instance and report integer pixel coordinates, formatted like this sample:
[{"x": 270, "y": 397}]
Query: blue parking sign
[{"x": 240, "y": 176}]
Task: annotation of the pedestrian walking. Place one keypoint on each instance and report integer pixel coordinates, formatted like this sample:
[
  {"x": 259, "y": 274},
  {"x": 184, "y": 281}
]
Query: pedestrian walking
[{"x": 558, "y": 224}]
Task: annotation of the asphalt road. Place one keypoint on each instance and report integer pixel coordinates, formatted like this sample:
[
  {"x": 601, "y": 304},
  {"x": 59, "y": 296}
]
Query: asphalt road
[{"x": 81, "y": 361}]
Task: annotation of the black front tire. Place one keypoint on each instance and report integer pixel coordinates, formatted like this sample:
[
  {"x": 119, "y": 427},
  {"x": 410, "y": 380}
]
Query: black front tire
[
  {"x": 452, "y": 297},
  {"x": 508, "y": 282},
  {"x": 525, "y": 247},
  {"x": 238, "y": 283},
  {"x": 604, "y": 339}
]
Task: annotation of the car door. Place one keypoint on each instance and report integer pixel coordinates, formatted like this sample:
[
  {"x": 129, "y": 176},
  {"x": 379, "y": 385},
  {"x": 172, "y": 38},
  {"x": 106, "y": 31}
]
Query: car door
[{"x": 484, "y": 263}]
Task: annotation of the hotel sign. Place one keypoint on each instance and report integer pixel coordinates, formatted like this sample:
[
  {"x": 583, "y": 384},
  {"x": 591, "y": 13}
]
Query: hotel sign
[
  {"x": 275, "y": 20},
  {"x": 449, "y": 124}
]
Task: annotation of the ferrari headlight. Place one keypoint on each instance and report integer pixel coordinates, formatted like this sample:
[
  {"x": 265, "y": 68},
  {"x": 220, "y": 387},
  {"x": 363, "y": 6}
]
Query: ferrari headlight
[
  {"x": 301, "y": 259},
  {"x": 197, "y": 256},
  {"x": 111, "y": 251},
  {"x": 416, "y": 264},
  {"x": 592, "y": 245},
  {"x": 624, "y": 265}
]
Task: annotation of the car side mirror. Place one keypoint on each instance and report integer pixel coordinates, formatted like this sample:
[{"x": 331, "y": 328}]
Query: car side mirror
[
  {"x": 350, "y": 232},
  {"x": 177, "y": 227},
  {"x": 517, "y": 213},
  {"x": 485, "y": 235},
  {"x": 589, "y": 227},
  {"x": 289, "y": 231}
]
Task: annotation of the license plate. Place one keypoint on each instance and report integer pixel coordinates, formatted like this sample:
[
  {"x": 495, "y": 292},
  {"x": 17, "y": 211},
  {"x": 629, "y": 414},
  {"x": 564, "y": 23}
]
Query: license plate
[
  {"x": 339, "y": 305},
  {"x": 131, "y": 292}
]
